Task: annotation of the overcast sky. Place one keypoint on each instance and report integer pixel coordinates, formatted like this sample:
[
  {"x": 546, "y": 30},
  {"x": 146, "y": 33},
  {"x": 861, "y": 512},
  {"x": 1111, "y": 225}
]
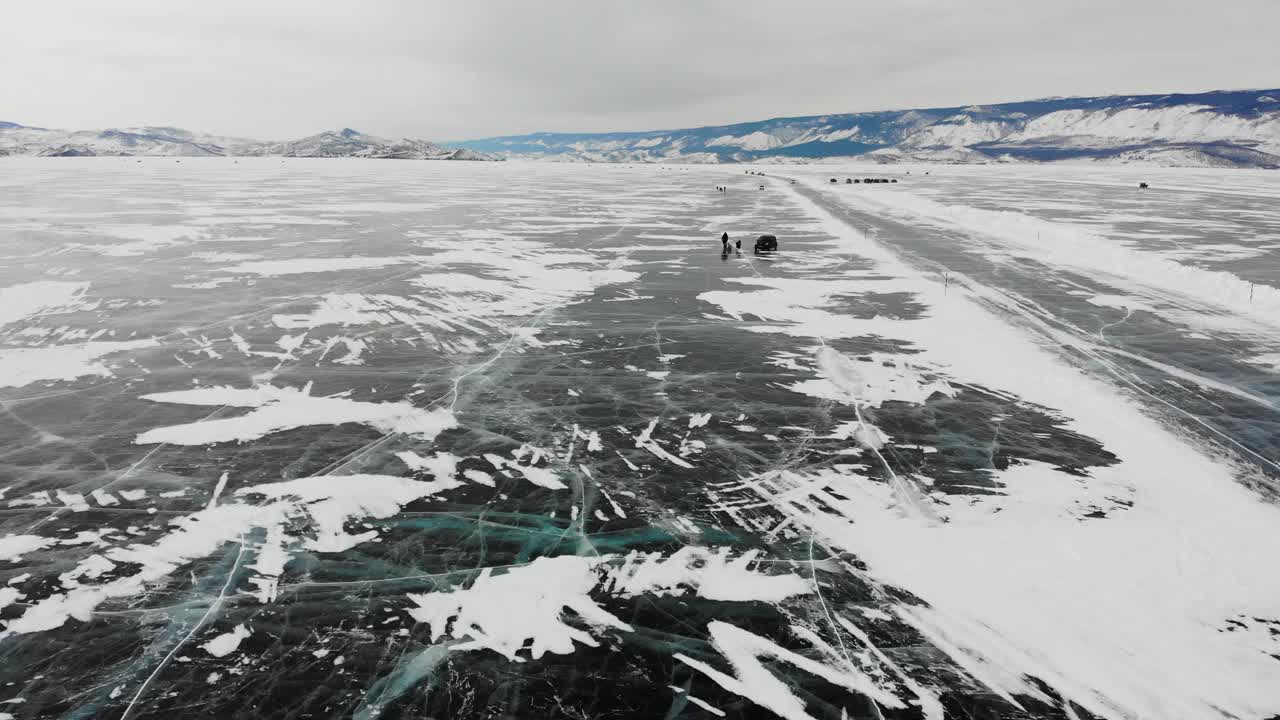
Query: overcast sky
[{"x": 275, "y": 69}]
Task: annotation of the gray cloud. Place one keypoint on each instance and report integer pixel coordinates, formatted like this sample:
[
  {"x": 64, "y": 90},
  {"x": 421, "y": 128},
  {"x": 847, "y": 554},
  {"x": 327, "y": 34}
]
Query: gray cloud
[{"x": 452, "y": 70}]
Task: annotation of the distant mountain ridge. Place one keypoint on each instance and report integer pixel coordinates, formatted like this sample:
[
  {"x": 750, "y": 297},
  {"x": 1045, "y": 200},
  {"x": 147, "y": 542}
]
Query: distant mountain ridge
[
  {"x": 18, "y": 139},
  {"x": 1237, "y": 128}
]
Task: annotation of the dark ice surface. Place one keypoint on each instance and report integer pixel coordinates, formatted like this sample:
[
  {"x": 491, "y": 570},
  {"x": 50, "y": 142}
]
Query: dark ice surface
[{"x": 172, "y": 252}]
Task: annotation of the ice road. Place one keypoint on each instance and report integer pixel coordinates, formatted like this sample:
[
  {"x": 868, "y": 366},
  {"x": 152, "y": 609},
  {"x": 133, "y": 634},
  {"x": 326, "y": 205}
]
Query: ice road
[{"x": 376, "y": 439}]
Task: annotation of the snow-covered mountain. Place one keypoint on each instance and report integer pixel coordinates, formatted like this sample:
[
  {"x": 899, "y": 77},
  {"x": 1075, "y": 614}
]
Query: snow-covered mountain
[
  {"x": 1239, "y": 128},
  {"x": 350, "y": 143},
  {"x": 18, "y": 139},
  {"x": 1223, "y": 128}
]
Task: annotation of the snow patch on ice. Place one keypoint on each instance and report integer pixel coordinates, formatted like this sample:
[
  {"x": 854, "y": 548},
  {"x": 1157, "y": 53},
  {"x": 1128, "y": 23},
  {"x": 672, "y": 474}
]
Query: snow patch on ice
[
  {"x": 13, "y": 547},
  {"x": 331, "y": 500},
  {"x": 226, "y": 643},
  {"x": 752, "y": 680},
  {"x": 645, "y": 441},
  {"x": 871, "y": 382},
  {"x": 442, "y": 465},
  {"x": 713, "y": 574},
  {"x": 18, "y": 302},
  {"x": 23, "y": 366},
  {"x": 281, "y": 408},
  {"x": 327, "y": 503},
  {"x": 484, "y": 616},
  {"x": 1268, "y": 360}
]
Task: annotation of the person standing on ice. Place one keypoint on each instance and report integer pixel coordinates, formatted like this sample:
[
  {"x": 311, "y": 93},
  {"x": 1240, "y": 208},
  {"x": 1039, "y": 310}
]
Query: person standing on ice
[{"x": 724, "y": 242}]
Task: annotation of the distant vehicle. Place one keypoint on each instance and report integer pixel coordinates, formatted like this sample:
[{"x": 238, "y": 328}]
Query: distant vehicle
[
  {"x": 766, "y": 242},
  {"x": 833, "y": 181},
  {"x": 894, "y": 180},
  {"x": 848, "y": 181},
  {"x": 1143, "y": 186}
]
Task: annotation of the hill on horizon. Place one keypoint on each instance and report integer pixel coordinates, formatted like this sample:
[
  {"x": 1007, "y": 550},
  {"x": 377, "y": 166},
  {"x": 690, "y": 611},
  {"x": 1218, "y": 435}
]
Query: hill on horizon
[{"x": 1223, "y": 128}]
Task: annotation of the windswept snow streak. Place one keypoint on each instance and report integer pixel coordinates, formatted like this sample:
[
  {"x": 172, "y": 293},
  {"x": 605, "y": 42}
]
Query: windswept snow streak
[
  {"x": 273, "y": 268},
  {"x": 473, "y": 296},
  {"x": 281, "y": 408},
  {"x": 1079, "y": 247}
]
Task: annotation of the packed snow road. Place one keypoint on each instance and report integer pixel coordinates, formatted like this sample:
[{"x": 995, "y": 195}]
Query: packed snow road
[
  {"x": 1172, "y": 292},
  {"x": 381, "y": 439}
]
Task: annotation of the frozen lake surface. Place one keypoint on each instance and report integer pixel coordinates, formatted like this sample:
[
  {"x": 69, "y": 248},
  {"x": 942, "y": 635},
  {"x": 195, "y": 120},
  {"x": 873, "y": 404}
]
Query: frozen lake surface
[{"x": 311, "y": 438}]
